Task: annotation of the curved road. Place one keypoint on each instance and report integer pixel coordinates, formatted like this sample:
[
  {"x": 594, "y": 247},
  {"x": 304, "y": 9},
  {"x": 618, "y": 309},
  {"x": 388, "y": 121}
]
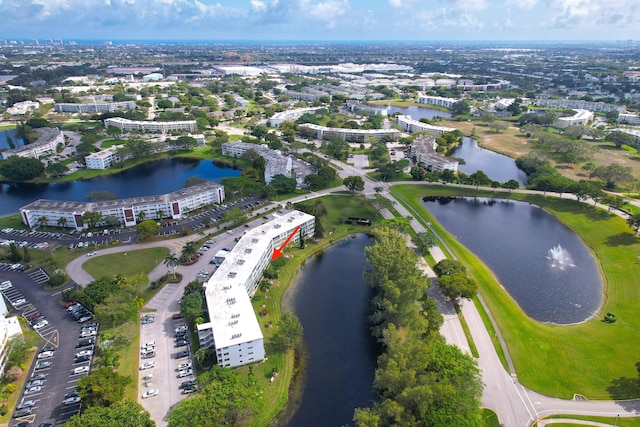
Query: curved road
[{"x": 515, "y": 404}]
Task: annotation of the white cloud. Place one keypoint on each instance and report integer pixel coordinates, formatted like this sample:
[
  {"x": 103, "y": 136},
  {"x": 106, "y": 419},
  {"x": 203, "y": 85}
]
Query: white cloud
[
  {"x": 589, "y": 13},
  {"x": 522, "y": 4},
  {"x": 258, "y": 5}
]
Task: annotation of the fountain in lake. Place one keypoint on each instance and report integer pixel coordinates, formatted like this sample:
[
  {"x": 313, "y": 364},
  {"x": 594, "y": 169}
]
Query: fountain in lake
[{"x": 560, "y": 257}]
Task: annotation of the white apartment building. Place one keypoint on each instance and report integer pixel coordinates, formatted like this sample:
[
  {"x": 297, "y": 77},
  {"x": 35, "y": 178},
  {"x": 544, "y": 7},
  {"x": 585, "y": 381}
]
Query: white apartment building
[
  {"x": 97, "y": 107},
  {"x": 581, "y": 117},
  {"x": 276, "y": 163},
  {"x": 290, "y": 115},
  {"x": 410, "y": 125},
  {"x": 233, "y": 331},
  {"x": 103, "y": 159},
  {"x": 371, "y": 109},
  {"x": 22, "y": 108},
  {"x": 423, "y": 149},
  {"x": 437, "y": 100},
  {"x": 9, "y": 327},
  {"x": 150, "y": 126},
  {"x": 46, "y": 144},
  {"x": 577, "y": 104},
  {"x": 350, "y": 135},
  {"x": 629, "y": 119},
  {"x": 126, "y": 211}
]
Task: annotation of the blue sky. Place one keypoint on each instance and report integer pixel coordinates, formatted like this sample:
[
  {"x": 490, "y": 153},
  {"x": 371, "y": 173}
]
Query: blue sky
[{"x": 321, "y": 19}]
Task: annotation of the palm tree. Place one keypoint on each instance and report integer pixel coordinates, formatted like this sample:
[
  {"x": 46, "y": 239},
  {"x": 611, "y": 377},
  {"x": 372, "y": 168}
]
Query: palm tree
[
  {"x": 142, "y": 215},
  {"x": 172, "y": 261},
  {"x": 62, "y": 222},
  {"x": 43, "y": 221},
  {"x": 160, "y": 213},
  {"x": 189, "y": 250}
]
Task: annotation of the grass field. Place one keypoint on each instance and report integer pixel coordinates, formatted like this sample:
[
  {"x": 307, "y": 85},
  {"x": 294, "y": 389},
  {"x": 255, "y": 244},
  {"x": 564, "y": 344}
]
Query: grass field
[
  {"x": 489, "y": 418},
  {"x": 620, "y": 422},
  {"x": 135, "y": 262},
  {"x": 594, "y": 359}
]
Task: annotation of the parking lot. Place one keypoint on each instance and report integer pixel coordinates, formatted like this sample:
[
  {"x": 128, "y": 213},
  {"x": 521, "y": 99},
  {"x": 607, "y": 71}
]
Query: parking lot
[{"x": 54, "y": 373}]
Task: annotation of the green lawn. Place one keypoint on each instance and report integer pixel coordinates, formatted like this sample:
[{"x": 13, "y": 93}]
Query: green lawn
[
  {"x": 489, "y": 418},
  {"x": 12, "y": 221},
  {"x": 620, "y": 422},
  {"x": 111, "y": 142},
  {"x": 135, "y": 262},
  {"x": 593, "y": 358}
]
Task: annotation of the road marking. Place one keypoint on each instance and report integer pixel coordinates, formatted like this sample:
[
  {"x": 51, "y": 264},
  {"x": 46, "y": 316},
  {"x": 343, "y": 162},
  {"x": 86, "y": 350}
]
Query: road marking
[
  {"x": 52, "y": 338},
  {"x": 61, "y": 291}
]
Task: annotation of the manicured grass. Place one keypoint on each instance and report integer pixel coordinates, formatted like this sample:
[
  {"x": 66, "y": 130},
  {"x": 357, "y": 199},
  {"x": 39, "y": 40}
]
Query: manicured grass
[
  {"x": 594, "y": 359},
  {"x": 111, "y": 142},
  {"x": 467, "y": 333},
  {"x": 276, "y": 393},
  {"x": 489, "y": 418},
  {"x": 12, "y": 221},
  {"x": 135, "y": 262},
  {"x": 620, "y": 422}
]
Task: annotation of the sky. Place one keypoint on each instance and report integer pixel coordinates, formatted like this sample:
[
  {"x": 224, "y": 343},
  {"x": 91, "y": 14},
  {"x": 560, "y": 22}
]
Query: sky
[{"x": 337, "y": 20}]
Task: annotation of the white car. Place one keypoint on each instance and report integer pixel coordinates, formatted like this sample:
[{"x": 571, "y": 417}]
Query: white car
[
  {"x": 18, "y": 302},
  {"x": 5, "y": 285},
  {"x": 185, "y": 373},
  {"x": 45, "y": 354},
  {"x": 149, "y": 344},
  {"x": 86, "y": 334},
  {"x": 183, "y": 366},
  {"x": 41, "y": 324},
  {"x": 147, "y": 365},
  {"x": 149, "y": 393},
  {"x": 84, "y": 353},
  {"x": 81, "y": 370},
  {"x": 71, "y": 400}
]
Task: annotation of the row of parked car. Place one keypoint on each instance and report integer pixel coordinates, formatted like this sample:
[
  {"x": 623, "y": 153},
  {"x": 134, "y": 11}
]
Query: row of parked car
[{"x": 78, "y": 311}]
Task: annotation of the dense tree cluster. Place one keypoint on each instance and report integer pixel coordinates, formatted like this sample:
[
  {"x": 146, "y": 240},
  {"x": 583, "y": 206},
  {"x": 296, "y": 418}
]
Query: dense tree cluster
[
  {"x": 119, "y": 414},
  {"x": 17, "y": 168},
  {"x": 420, "y": 379}
]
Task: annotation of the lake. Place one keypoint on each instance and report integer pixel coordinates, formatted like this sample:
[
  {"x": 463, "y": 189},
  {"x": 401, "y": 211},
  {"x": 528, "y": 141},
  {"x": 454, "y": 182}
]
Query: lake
[
  {"x": 497, "y": 166},
  {"x": 541, "y": 263},
  {"x": 156, "y": 177},
  {"x": 8, "y": 135},
  {"x": 331, "y": 299},
  {"x": 418, "y": 113}
]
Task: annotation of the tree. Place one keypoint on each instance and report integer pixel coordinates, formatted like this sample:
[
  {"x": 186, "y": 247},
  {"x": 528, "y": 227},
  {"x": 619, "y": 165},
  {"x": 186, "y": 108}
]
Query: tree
[
  {"x": 15, "y": 255},
  {"x": 147, "y": 229},
  {"x": 92, "y": 218},
  {"x": 418, "y": 173},
  {"x": 282, "y": 184},
  {"x": 26, "y": 256},
  {"x": 17, "y": 168},
  {"x": 498, "y": 126},
  {"x": 119, "y": 414},
  {"x": 192, "y": 307},
  {"x": 56, "y": 169},
  {"x": 103, "y": 387},
  {"x": 114, "y": 132},
  {"x": 612, "y": 116},
  {"x": 189, "y": 250},
  {"x": 289, "y": 330},
  {"x": 172, "y": 262},
  {"x": 62, "y": 222},
  {"x": 448, "y": 175},
  {"x": 458, "y": 285},
  {"x": 142, "y": 215},
  {"x": 234, "y": 216},
  {"x": 480, "y": 178},
  {"x": 621, "y": 138},
  {"x": 512, "y": 184},
  {"x": 425, "y": 240},
  {"x": 613, "y": 174},
  {"x": 354, "y": 183},
  {"x": 634, "y": 222},
  {"x": 43, "y": 221},
  {"x": 460, "y": 107},
  {"x": 449, "y": 267}
]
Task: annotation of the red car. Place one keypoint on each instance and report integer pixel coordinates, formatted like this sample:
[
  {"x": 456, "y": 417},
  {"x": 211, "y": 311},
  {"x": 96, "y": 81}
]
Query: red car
[
  {"x": 177, "y": 316},
  {"x": 69, "y": 304},
  {"x": 34, "y": 316}
]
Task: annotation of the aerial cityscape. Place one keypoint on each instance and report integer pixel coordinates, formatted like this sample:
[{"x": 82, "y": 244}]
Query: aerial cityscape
[{"x": 319, "y": 213}]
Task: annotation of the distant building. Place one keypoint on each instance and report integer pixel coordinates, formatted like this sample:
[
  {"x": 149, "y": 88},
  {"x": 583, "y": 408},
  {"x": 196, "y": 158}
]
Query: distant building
[
  {"x": 126, "y": 211},
  {"x": 304, "y": 96},
  {"x": 22, "y": 108},
  {"x": 290, "y": 115},
  {"x": 103, "y": 159},
  {"x": 371, "y": 109},
  {"x": 350, "y": 135},
  {"x": 629, "y": 119},
  {"x": 581, "y": 117},
  {"x": 410, "y": 125},
  {"x": 94, "y": 108},
  {"x": 151, "y": 126},
  {"x": 577, "y": 104},
  {"x": 153, "y": 77},
  {"x": 233, "y": 331},
  {"x": 423, "y": 149},
  {"x": 276, "y": 163},
  {"x": 437, "y": 100},
  {"x": 46, "y": 144}
]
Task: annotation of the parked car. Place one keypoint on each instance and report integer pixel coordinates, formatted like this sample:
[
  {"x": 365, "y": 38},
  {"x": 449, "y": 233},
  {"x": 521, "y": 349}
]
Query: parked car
[
  {"x": 176, "y": 316},
  {"x": 86, "y": 342},
  {"x": 19, "y": 302},
  {"x": 85, "y": 334},
  {"x": 84, "y": 353},
  {"x": 186, "y": 365},
  {"x": 28, "y": 403},
  {"x": 185, "y": 373},
  {"x": 80, "y": 370},
  {"x": 181, "y": 343},
  {"x": 189, "y": 390},
  {"x": 45, "y": 354},
  {"x": 34, "y": 316},
  {"x": 22, "y": 413},
  {"x": 43, "y": 364},
  {"x": 187, "y": 384},
  {"x": 34, "y": 383},
  {"x": 71, "y": 400},
  {"x": 149, "y": 354},
  {"x": 149, "y": 393},
  {"x": 38, "y": 376},
  {"x": 182, "y": 354},
  {"x": 6, "y": 285},
  {"x": 41, "y": 324},
  {"x": 81, "y": 359},
  {"x": 72, "y": 393},
  {"x": 33, "y": 390},
  {"x": 147, "y": 365}
]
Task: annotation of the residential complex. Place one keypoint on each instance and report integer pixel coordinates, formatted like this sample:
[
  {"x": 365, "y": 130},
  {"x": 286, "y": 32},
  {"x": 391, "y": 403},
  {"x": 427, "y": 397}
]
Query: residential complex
[
  {"x": 577, "y": 104},
  {"x": 423, "y": 149},
  {"x": 350, "y": 135},
  {"x": 581, "y": 117},
  {"x": 410, "y": 125},
  {"x": 276, "y": 162},
  {"x": 126, "y": 212},
  {"x": 370, "y": 109},
  {"x": 46, "y": 144},
  {"x": 290, "y": 115},
  {"x": 233, "y": 331},
  {"x": 9, "y": 327},
  {"x": 629, "y": 119},
  {"x": 150, "y": 126},
  {"x": 437, "y": 100},
  {"x": 103, "y": 159},
  {"x": 97, "y": 107}
]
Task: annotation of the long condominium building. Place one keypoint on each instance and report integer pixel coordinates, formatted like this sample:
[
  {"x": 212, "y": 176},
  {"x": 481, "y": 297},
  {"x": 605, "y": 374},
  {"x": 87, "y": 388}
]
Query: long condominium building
[
  {"x": 577, "y": 104},
  {"x": 377, "y": 110},
  {"x": 150, "y": 126},
  {"x": 126, "y": 212},
  {"x": 97, "y": 107},
  {"x": 276, "y": 163},
  {"x": 581, "y": 117},
  {"x": 410, "y": 125},
  {"x": 437, "y": 100},
  {"x": 233, "y": 331},
  {"x": 350, "y": 135},
  {"x": 423, "y": 149},
  {"x": 46, "y": 144},
  {"x": 290, "y": 115}
]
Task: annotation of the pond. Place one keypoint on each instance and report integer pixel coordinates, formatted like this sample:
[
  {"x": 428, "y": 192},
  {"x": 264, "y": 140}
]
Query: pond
[
  {"x": 156, "y": 177},
  {"x": 331, "y": 299},
  {"x": 497, "y": 166},
  {"x": 540, "y": 262},
  {"x": 8, "y": 136},
  {"x": 418, "y": 113}
]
